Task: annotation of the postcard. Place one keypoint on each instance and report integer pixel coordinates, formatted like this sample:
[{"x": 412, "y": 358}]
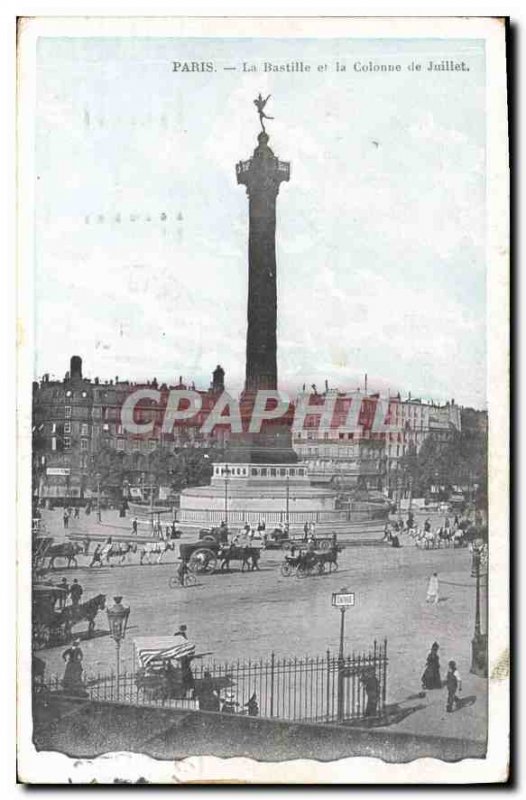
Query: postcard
[{"x": 263, "y": 515}]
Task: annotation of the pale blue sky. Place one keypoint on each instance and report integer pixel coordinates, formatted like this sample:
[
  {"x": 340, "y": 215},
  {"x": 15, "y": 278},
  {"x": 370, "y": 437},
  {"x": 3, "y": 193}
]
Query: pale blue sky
[{"x": 381, "y": 230}]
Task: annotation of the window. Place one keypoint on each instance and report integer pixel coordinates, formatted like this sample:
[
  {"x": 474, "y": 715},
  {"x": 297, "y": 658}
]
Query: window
[
  {"x": 273, "y": 473},
  {"x": 83, "y": 444},
  {"x": 69, "y": 393},
  {"x": 152, "y": 444},
  {"x": 53, "y": 427},
  {"x": 84, "y": 394},
  {"x": 67, "y": 442},
  {"x": 120, "y": 444},
  {"x": 136, "y": 445},
  {"x": 301, "y": 472},
  {"x": 264, "y": 472},
  {"x": 67, "y": 427},
  {"x": 67, "y": 411},
  {"x": 253, "y": 471},
  {"x": 84, "y": 429},
  {"x": 283, "y": 472},
  {"x": 292, "y": 471}
]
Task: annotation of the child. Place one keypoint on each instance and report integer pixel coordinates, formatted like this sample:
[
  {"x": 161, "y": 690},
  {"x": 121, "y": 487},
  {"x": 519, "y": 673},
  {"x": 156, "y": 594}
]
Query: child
[{"x": 453, "y": 683}]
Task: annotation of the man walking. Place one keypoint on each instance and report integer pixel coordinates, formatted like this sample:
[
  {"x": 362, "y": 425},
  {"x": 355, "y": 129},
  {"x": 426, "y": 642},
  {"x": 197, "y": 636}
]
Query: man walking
[
  {"x": 65, "y": 518},
  {"x": 76, "y": 591},
  {"x": 453, "y": 683},
  {"x": 432, "y": 589},
  {"x": 134, "y": 526}
]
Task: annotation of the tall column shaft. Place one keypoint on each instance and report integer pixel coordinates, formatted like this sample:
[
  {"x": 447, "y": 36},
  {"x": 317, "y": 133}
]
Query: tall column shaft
[
  {"x": 261, "y": 354},
  {"x": 262, "y": 175}
]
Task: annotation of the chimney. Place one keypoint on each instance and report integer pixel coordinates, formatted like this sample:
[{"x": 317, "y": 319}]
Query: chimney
[
  {"x": 218, "y": 379},
  {"x": 75, "y": 368}
]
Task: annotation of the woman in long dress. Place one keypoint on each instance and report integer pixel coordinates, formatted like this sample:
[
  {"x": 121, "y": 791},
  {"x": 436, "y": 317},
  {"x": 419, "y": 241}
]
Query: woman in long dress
[
  {"x": 431, "y": 676},
  {"x": 72, "y": 680}
]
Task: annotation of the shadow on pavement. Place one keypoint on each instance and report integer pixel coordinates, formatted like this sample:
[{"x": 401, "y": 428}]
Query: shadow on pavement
[{"x": 393, "y": 714}]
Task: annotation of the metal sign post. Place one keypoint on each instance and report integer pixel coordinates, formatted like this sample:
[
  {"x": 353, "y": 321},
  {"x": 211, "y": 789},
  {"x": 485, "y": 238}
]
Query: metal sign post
[{"x": 342, "y": 600}]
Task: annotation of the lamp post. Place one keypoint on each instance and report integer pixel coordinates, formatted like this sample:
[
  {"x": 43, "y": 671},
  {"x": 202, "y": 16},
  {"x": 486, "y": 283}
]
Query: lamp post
[
  {"x": 226, "y": 473},
  {"x": 287, "y": 499},
  {"x": 98, "y": 497},
  {"x": 479, "y": 643},
  {"x": 342, "y": 600},
  {"x": 117, "y": 621}
]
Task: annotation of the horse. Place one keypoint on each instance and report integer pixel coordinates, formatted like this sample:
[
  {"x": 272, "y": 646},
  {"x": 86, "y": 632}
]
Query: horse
[
  {"x": 71, "y": 615},
  {"x": 249, "y": 557},
  {"x": 330, "y": 557},
  {"x": 121, "y": 550},
  {"x": 67, "y": 550},
  {"x": 156, "y": 548}
]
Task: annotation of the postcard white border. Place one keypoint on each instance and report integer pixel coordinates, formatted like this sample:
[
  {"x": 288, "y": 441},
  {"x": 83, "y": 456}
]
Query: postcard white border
[{"x": 37, "y": 767}]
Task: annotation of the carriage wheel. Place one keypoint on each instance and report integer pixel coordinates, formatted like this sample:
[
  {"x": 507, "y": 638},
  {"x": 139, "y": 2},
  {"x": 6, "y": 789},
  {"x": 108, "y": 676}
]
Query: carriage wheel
[
  {"x": 190, "y": 579},
  {"x": 300, "y": 572},
  {"x": 41, "y": 635},
  {"x": 202, "y": 560},
  {"x": 174, "y": 582},
  {"x": 286, "y": 545},
  {"x": 319, "y": 568},
  {"x": 325, "y": 544},
  {"x": 286, "y": 569},
  {"x": 333, "y": 566}
]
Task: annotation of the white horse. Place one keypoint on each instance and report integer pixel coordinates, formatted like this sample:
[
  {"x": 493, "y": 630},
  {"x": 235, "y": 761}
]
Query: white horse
[{"x": 158, "y": 549}]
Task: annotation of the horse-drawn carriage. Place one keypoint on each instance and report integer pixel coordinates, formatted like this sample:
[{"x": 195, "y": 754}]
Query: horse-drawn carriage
[
  {"x": 165, "y": 670},
  {"x": 280, "y": 539},
  {"x": 205, "y": 555},
  {"x": 53, "y": 627},
  {"x": 49, "y": 626},
  {"x": 310, "y": 562}
]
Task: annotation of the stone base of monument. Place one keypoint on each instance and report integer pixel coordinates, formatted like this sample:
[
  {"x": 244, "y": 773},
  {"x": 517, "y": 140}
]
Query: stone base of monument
[{"x": 269, "y": 493}]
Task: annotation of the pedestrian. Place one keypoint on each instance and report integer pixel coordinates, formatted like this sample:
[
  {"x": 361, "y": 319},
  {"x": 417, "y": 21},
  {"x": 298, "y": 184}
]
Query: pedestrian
[
  {"x": 181, "y": 631},
  {"x": 453, "y": 684},
  {"x": 427, "y": 526},
  {"x": 63, "y": 594},
  {"x": 431, "y": 675},
  {"x": 72, "y": 680},
  {"x": 134, "y": 526},
  {"x": 97, "y": 555},
  {"x": 174, "y": 531},
  {"x": 446, "y": 523},
  {"x": 77, "y": 512},
  {"x": 207, "y": 696},
  {"x": 432, "y": 589},
  {"x": 305, "y": 531},
  {"x": 65, "y": 518},
  {"x": 371, "y": 685},
  {"x": 76, "y": 591},
  {"x": 387, "y": 532}
]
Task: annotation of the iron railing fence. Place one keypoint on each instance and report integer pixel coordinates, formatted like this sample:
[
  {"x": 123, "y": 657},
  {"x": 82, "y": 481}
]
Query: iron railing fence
[{"x": 309, "y": 689}]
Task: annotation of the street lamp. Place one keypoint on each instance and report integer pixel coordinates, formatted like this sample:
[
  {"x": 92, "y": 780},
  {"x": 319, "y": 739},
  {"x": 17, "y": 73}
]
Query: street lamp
[
  {"x": 226, "y": 474},
  {"x": 342, "y": 600},
  {"x": 98, "y": 497},
  {"x": 117, "y": 621},
  {"x": 287, "y": 497},
  {"x": 479, "y": 643}
]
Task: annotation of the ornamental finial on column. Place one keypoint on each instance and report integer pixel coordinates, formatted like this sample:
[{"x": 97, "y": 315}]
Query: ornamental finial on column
[{"x": 260, "y": 105}]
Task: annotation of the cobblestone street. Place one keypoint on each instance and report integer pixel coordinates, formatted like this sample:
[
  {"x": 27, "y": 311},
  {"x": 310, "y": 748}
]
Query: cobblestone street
[{"x": 241, "y": 615}]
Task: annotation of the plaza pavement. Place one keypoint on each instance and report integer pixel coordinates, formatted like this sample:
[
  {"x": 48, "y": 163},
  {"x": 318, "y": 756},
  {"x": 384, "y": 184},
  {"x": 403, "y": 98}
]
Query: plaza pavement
[{"x": 238, "y": 616}]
